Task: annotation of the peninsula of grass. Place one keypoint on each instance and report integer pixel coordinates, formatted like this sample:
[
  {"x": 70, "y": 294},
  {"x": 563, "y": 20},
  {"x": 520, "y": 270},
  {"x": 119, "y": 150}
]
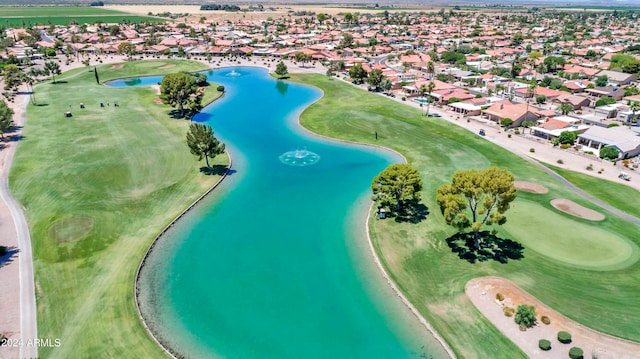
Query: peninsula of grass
[
  {"x": 97, "y": 188},
  {"x": 420, "y": 261}
]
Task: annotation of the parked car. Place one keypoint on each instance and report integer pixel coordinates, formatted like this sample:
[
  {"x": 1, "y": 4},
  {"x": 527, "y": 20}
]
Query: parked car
[{"x": 481, "y": 132}]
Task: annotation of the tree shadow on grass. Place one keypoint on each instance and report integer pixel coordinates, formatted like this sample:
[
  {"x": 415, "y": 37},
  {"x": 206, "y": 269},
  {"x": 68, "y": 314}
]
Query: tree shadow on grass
[
  {"x": 492, "y": 248},
  {"x": 177, "y": 114},
  {"x": 412, "y": 214},
  {"x": 59, "y": 82},
  {"x": 216, "y": 170}
]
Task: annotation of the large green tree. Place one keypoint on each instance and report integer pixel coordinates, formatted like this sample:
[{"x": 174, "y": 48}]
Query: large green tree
[
  {"x": 203, "y": 143},
  {"x": 13, "y": 77},
  {"x": 357, "y": 73},
  {"x": 375, "y": 78},
  {"x": 281, "y": 69},
  {"x": 6, "y": 118},
  {"x": 178, "y": 89},
  {"x": 477, "y": 198},
  {"x": 397, "y": 187},
  {"x": 127, "y": 48}
]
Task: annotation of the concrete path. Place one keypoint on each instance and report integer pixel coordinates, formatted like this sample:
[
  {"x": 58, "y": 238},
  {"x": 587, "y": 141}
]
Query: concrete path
[{"x": 28, "y": 309}]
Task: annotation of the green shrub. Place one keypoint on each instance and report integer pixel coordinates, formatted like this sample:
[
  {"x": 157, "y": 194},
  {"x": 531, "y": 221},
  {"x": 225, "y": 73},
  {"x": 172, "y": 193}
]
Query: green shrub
[
  {"x": 532, "y": 150},
  {"x": 575, "y": 353},
  {"x": 609, "y": 153},
  {"x": 516, "y": 131},
  {"x": 499, "y": 296},
  {"x": 564, "y": 146},
  {"x": 590, "y": 167},
  {"x": 526, "y": 316},
  {"x": 404, "y": 98},
  {"x": 564, "y": 337},
  {"x": 544, "y": 344},
  {"x": 220, "y": 88},
  {"x": 545, "y": 320},
  {"x": 508, "y": 311},
  {"x": 560, "y": 162}
]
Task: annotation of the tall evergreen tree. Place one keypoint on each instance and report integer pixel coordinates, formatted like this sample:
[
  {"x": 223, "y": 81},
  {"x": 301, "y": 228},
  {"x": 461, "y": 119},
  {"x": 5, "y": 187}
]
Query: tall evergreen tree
[{"x": 203, "y": 143}]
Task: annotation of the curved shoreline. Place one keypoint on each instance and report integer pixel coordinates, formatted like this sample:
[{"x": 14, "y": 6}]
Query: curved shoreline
[
  {"x": 136, "y": 288},
  {"x": 425, "y": 323},
  {"x": 169, "y": 351}
]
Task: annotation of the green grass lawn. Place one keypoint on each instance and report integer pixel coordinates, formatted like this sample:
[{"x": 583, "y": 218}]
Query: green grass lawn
[
  {"x": 49, "y": 11},
  {"x": 433, "y": 278},
  {"x": 63, "y": 15},
  {"x": 97, "y": 188},
  {"x": 615, "y": 194}
]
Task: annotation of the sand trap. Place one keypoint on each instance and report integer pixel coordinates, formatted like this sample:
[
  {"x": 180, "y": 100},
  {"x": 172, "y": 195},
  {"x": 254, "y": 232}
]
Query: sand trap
[
  {"x": 575, "y": 209},
  {"x": 482, "y": 293},
  {"x": 530, "y": 187},
  {"x": 167, "y": 66},
  {"x": 116, "y": 66}
]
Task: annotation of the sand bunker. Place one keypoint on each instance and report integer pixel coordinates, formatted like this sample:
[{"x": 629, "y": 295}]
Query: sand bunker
[
  {"x": 167, "y": 66},
  {"x": 575, "y": 209},
  {"x": 530, "y": 187},
  {"x": 116, "y": 66}
]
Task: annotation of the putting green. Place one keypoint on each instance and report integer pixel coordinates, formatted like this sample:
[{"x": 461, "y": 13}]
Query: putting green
[{"x": 569, "y": 241}]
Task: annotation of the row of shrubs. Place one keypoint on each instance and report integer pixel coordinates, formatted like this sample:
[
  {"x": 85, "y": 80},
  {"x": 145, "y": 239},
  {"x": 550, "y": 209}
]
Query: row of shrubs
[
  {"x": 527, "y": 312},
  {"x": 565, "y": 338}
]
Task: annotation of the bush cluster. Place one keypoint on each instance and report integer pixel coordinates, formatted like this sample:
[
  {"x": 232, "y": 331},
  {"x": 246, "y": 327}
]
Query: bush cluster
[
  {"x": 564, "y": 337},
  {"x": 525, "y": 316},
  {"x": 576, "y": 353},
  {"x": 544, "y": 344}
]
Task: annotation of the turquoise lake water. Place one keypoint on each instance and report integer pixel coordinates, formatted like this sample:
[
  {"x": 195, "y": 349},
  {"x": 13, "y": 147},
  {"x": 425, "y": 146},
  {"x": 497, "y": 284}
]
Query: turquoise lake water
[{"x": 275, "y": 264}]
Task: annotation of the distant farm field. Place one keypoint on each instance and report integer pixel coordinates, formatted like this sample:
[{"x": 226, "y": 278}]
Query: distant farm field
[
  {"x": 13, "y": 16},
  {"x": 56, "y": 11}
]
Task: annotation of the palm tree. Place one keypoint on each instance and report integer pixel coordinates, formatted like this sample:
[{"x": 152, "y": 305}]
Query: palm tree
[
  {"x": 565, "y": 108},
  {"x": 423, "y": 91},
  {"x": 430, "y": 88},
  {"x": 30, "y": 81},
  {"x": 52, "y": 68},
  {"x": 430, "y": 69}
]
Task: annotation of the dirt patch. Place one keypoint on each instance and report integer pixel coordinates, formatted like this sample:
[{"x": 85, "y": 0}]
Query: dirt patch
[
  {"x": 157, "y": 100},
  {"x": 574, "y": 209},
  {"x": 530, "y": 187},
  {"x": 167, "y": 66},
  {"x": 116, "y": 66},
  {"x": 482, "y": 292},
  {"x": 71, "y": 229}
]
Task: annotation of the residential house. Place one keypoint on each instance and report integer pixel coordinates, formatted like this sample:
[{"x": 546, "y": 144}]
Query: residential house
[
  {"x": 626, "y": 141},
  {"x": 551, "y": 128},
  {"x": 505, "y": 109},
  {"x": 618, "y": 78}
]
